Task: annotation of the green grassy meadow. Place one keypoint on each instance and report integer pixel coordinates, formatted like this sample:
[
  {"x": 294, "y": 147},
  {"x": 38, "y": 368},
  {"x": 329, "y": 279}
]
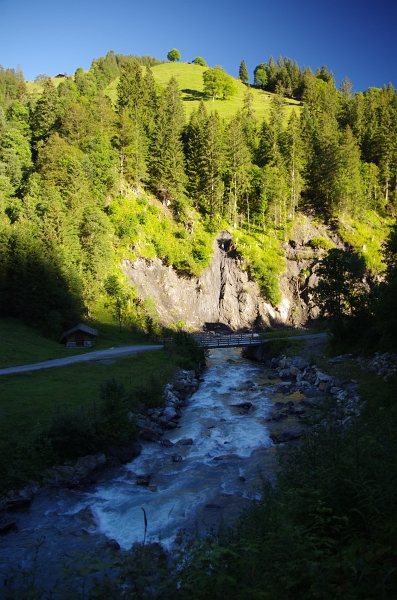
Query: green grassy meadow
[
  {"x": 190, "y": 79},
  {"x": 23, "y": 345},
  {"x": 28, "y": 398},
  {"x": 35, "y": 88}
]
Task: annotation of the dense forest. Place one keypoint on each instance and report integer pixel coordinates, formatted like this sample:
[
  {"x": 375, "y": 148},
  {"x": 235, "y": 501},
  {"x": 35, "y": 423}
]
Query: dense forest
[{"x": 85, "y": 182}]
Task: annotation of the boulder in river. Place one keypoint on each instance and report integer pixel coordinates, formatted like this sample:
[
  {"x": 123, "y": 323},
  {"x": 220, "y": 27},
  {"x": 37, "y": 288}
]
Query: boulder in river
[
  {"x": 149, "y": 435},
  {"x": 143, "y": 480},
  {"x": 185, "y": 442},
  {"x": 177, "y": 458},
  {"x": 245, "y": 406},
  {"x": 7, "y": 525},
  {"x": 86, "y": 464},
  {"x": 279, "y": 437},
  {"x": 125, "y": 453}
]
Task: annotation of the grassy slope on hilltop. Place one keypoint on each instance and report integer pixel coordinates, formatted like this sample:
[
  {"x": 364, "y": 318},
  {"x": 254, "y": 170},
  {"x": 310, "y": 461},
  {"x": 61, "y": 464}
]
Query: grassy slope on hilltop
[
  {"x": 190, "y": 79},
  {"x": 35, "y": 88}
]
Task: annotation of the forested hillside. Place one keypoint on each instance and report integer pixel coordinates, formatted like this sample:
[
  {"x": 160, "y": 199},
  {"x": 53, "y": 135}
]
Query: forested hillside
[{"x": 106, "y": 166}]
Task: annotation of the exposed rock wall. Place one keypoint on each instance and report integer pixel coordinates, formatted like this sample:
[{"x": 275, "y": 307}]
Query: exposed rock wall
[{"x": 224, "y": 293}]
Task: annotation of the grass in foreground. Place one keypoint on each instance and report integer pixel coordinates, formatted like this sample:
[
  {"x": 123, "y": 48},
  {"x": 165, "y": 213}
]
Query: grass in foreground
[{"x": 32, "y": 397}]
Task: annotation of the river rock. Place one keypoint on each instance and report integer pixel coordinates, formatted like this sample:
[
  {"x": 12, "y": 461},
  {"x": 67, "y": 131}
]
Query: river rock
[
  {"x": 85, "y": 515},
  {"x": 184, "y": 442},
  {"x": 285, "y": 388},
  {"x": 86, "y": 464},
  {"x": 294, "y": 371},
  {"x": 245, "y": 406},
  {"x": 166, "y": 443},
  {"x": 177, "y": 458},
  {"x": 279, "y": 405},
  {"x": 169, "y": 414},
  {"x": 63, "y": 473},
  {"x": 125, "y": 453},
  {"x": 143, "y": 480},
  {"x": 276, "y": 416},
  {"x": 149, "y": 435},
  {"x": 113, "y": 544},
  {"x": 8, "y": 525},
  {"x": 284, "y": 373},
  {"x": 321, "y": 378},
  {"x": 280, "y": 437},
  {"x": 300, "y": 363}
]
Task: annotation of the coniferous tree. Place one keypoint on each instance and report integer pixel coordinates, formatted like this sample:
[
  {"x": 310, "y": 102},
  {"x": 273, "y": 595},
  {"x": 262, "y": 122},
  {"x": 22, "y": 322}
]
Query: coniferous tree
[
  {"x": 44, "y": 116},
  {"x": 150, "y": 101},
  {"x": 294, "y": 162},
  {"x": 204, "y": 160},
  {"x": 348, "y": 183},
  {"x": 243, "y": 72},
  {"x": 238, "y": 165},
  {"x": 132, "y": 139},
  {"x": 166, "y": 167},
  {"x": 195, "y": 136},
  {"x": 248, "y": 120}
]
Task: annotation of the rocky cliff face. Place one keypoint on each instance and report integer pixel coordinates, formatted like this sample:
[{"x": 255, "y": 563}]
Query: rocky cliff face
[{"x": 224, "y": 293}]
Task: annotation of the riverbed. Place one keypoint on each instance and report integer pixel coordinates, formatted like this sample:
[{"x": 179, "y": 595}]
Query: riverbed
[{"x": 191, "y": 486}]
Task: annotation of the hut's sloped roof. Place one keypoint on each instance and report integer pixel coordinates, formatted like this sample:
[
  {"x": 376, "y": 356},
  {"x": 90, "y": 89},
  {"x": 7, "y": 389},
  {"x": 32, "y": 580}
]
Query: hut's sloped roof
[{"x": 80, "y": 327}]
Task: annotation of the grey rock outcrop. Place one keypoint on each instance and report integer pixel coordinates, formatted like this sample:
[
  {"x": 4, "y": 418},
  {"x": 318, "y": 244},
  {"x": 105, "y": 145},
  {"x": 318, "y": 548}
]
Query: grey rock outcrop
[{"x": 224, "y": 293}]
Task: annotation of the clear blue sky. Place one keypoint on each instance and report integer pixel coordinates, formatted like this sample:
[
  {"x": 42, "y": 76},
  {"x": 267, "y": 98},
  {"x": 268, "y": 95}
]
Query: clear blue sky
[{"x": 353, "y": 38}]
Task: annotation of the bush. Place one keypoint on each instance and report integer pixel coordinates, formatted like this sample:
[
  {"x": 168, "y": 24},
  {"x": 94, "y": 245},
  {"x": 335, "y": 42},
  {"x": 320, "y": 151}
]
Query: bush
[
  {"x": 188, "y": 351},
  {"x": 72, "y": 432},
  {"x": 199, "y": 61},
  {"x": 174, "y": 55},
  {"x": 321, "y": 243}
]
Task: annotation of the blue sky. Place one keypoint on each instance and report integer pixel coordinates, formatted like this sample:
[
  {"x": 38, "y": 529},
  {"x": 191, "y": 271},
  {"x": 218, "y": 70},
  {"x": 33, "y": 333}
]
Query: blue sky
[{"x": 354, "y": 39}]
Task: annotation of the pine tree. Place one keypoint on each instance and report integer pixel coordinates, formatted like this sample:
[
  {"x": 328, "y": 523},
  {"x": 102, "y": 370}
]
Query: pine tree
[
  {"x": 166, "y": 166},
  {"x": 294, "y": 160},
  {"x": 204, "y": 159},
  {"x": 195, "y": 142},
  {"x": 243, "y": 72},
  {"x": 348, "y": 185},
  {"x": 132, "y": 140},
  {"x": 44, "y": 116},
  {"x": 150, "y": 101},
  {"x": 238, "y": 165},
  {"x": 270, "y": 135}
]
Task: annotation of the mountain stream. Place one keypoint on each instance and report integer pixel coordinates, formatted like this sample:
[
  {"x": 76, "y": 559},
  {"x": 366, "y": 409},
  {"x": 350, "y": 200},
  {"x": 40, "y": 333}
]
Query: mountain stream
[{"x": 191, "y": 486}]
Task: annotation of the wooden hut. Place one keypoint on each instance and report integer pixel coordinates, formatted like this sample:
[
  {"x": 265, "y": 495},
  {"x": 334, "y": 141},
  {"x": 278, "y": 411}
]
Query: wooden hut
[{"x": 80, "y": 336}]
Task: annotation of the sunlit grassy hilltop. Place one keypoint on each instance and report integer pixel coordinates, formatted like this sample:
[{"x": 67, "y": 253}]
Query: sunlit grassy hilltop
[{"x": 190, "y": 79}]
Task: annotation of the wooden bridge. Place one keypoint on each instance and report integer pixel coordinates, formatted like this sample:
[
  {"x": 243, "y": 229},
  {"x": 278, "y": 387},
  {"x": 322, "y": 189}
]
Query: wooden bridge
[{"x": 236, "y": 340}]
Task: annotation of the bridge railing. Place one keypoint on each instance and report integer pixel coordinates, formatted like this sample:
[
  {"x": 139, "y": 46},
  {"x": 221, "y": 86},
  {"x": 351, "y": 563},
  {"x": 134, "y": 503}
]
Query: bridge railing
[{"x": 218, "y": 341}]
